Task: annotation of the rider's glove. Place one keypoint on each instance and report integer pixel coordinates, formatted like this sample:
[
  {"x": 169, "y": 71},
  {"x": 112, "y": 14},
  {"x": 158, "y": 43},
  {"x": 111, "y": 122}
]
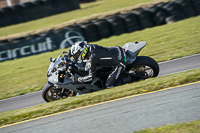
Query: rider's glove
[{"x": 74, "y": 79}]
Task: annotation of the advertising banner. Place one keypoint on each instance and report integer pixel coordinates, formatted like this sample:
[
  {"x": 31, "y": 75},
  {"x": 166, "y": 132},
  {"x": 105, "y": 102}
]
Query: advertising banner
[{"x": 43, "y": 43}]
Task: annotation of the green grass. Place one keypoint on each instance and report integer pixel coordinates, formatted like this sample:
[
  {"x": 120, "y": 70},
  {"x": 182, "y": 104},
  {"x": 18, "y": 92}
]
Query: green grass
[
  {"x": 190, "y": 127},
  {"x": 165, "y": 42},
  {"x": 148, "y": 85},
  {"x": 87, "y": 10}
]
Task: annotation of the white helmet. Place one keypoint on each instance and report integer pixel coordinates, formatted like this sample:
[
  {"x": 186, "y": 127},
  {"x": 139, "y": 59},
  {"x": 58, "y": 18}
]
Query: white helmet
[{"x": 79, "y": 50}]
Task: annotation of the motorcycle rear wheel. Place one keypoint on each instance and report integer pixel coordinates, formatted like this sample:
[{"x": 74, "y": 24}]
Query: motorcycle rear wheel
[{"x": 144, "y": 65}]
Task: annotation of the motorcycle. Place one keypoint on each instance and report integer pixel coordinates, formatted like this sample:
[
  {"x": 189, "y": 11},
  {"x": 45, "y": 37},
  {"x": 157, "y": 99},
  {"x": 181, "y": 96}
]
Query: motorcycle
[{"x": 61, "y": 71}]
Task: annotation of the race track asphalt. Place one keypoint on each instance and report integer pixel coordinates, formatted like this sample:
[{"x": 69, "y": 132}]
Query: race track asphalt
[
  {"x": 169, "y": 106},
  {"x": 166, "y": 68}
]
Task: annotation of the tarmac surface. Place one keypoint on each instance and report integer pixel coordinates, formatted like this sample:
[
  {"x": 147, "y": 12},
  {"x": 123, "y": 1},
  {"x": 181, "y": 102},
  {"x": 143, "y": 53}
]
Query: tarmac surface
[{"x": 168, "y": 106}]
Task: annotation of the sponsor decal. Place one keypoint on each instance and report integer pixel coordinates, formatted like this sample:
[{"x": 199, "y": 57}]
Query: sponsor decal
[
  {"x": 125, "y": 60},
  {"x": 70, "y": 38},
  {"x": 106, "y": 58}
]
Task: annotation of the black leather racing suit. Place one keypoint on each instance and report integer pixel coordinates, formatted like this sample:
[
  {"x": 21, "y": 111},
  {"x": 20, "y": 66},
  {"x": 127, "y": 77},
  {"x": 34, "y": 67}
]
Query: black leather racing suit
[{"x": 105, "y": 56}]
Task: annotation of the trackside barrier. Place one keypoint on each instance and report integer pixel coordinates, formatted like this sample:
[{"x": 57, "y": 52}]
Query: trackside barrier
[
  {"x": 95, "y": 30},
  {"x": 32, "y": 10}
]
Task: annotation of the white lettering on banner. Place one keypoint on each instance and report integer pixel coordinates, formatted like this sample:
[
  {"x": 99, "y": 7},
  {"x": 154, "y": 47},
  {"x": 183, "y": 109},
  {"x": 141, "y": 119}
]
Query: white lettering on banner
[
  {"x": 42, "y": 47},
  {"x": 26, "y": 50},
  {"x": 22, "y": 50},
  {"x": 33, "y": 49},
  {"x": 14, "y": 52},
  {"x": 69, "y": 39},
  {"x": 9, "y": 54},
  {"x": 49, "y": 43}
]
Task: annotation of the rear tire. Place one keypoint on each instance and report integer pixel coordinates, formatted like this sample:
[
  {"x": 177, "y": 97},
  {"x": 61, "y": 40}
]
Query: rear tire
[{"x": 144, "y": 64}]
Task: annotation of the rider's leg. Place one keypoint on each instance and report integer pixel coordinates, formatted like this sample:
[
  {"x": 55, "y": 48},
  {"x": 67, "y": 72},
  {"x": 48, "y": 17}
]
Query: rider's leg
[{"x": 114, "y": 75}]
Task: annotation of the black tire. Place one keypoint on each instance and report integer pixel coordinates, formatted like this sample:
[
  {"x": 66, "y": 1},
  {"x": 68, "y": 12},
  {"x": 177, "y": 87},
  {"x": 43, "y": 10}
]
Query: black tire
[
  {"x": 27, "y": 11},
  {"x": 130, "y": 21},
  {"x": 143, "y": 63},
  {"x": 159, "y": 18},
  {"x": 102, "y": 27},
  {"x": 4, "y": 41},
  {"x": 89, "y": 31},
  {"x": 55, "y": 6},
  {"x": 172, "y": 8},
  {"x": 41, "y": 7},
  {"x": 4, "y": 19},
  {"x": 68, "y": 5},
  {"x": 196, "y": 5},
  {"x": 45, "y": 90},
  {"x": 11, "y": 15},
  {"x": 145, "y": 19},
  {"x": 52, "y": 93},
  {"x": 153, "y": 10},
  {"x": 175, "y": 17},
  {"x": 186, "y": 7},
  {"x": 18, "y": 10},
  {"x": 75, "y": 27},
  {"x": 117, "y": 25},
  {"x": 86, "y": 1}
]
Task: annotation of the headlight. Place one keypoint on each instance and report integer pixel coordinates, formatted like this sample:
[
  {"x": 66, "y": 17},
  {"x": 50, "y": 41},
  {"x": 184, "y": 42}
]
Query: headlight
[
  {"x": 61, "y": 64},
  {"x": 54, "y": 69}
]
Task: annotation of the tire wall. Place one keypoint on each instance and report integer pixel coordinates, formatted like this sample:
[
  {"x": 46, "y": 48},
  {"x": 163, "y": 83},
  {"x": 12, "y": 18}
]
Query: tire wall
[
  {"x": 95, "y": 30},
  {"x": 86, "y": 1},
  {"x": 34, "y": 10}
]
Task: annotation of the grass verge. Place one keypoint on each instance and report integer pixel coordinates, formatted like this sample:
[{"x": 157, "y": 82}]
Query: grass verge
[
  {"x": 190, "y": 127},
  {"x": 148, "y": 85},
  {"x": 88, "y": 11},
  {"x": 165, "y": 42}
]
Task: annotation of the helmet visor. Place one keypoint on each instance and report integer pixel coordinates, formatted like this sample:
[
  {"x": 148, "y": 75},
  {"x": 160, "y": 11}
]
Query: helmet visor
[
  {"x": 72, "y": 49},
  {"x": 76, "y": 55}
]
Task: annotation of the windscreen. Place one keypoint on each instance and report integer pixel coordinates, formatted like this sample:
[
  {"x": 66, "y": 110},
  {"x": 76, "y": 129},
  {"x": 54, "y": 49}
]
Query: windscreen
[{"x": 52, "y": 65}]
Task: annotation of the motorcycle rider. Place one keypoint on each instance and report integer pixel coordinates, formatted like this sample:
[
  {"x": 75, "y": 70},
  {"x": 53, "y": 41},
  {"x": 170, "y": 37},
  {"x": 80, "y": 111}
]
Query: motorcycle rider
[{"x": 99, "y": 56}]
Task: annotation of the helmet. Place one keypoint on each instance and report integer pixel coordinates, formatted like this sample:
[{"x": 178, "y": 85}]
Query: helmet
[{"x": 79, "y": 50}]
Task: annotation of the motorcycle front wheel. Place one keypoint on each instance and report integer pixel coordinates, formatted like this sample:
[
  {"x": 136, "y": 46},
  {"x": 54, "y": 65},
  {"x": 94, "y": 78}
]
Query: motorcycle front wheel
[
  {"x": 144, "y": 66},
  {"x": 52, "y": 93}
]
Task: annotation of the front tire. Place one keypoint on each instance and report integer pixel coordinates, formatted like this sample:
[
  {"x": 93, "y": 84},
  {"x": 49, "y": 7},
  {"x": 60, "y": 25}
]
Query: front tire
[
  {"x": 145, "y": 65},
  {"x": 50, "y": 93}
]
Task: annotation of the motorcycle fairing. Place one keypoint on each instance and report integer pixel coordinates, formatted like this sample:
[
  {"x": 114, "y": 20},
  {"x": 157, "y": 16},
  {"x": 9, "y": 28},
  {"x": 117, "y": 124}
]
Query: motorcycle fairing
[
  {"x": 81, "y": 88},
  {"x": 132, "y": 50}
]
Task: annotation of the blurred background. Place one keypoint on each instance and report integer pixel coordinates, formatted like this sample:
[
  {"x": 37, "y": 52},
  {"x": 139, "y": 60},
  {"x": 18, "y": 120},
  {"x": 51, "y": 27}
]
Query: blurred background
[{"x": 31, "y": 27}]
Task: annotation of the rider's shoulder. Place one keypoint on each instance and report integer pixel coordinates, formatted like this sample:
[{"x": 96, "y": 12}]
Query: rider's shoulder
[{"x": 93, "y": 46}]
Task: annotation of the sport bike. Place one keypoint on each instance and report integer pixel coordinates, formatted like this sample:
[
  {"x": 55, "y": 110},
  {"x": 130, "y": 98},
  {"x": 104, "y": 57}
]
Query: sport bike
[{"x": 61, "y": 71}]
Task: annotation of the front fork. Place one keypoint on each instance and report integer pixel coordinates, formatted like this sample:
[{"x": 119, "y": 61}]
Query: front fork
[{"x": 64, "y": 93}]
